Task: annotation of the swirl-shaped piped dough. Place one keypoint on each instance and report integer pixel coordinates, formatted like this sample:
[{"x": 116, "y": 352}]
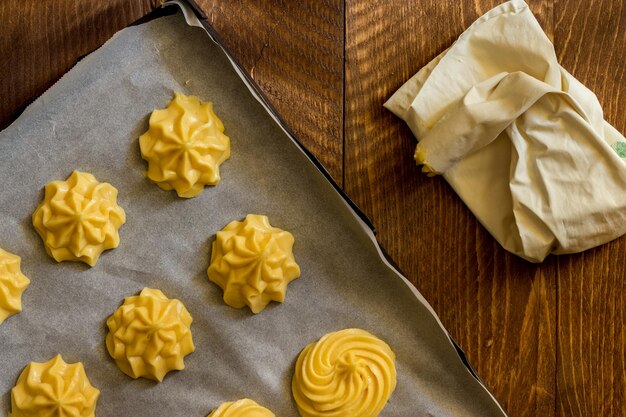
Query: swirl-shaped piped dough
[
  {"x": 253, "y": 263},
  {"x": 241, "y": 408},
  {"x": 53, "y": 388},
  {"x": 149, "y": 335},
  {"x": 184, "y": 146},
  {"x": 12, "y": 284},
  {"x": 79, "y": 218},
  {"x": 349, "y": 373}
]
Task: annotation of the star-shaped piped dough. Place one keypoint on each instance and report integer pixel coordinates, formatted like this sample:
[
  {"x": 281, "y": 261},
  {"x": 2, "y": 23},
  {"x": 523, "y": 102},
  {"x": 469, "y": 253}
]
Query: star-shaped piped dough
[
  {"x": 12, "y": 284},
  {"x": 253, "y": 262},
  {"x": 53, "y": 388},
  {"x": 184, "y": 146},
  {"x": 241, "y": 408},
  {"x": 79, "y": 218},
  {"x": 149, "y": 335}
]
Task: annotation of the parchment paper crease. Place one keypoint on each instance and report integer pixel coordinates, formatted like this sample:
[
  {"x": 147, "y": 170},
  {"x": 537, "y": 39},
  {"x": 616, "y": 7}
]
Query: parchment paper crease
[{"x": 90, "y": 120}]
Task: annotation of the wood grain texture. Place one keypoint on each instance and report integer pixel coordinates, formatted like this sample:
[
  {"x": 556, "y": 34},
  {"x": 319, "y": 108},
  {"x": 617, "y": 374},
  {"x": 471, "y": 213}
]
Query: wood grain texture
[
  {"x": 294, "y": 52},
  {"x": 40, "y": 41},
  {"x": 500, "y": 309},
  {"x": 591, "y": 353}
]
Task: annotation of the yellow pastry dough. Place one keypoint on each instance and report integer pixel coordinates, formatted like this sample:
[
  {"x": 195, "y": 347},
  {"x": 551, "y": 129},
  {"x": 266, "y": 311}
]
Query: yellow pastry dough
[
  {"x": 241, "y": 408},
  {"x": 184, "y": 146},
  {"x": 12, "y": 284},
  {"x": 53, "y": 388},
  {"x": 79, "y": 218},
  {"x": 349, "y": 373},
  {"x": 253, "y": 263},
  {"x": 149, "y": 335}
]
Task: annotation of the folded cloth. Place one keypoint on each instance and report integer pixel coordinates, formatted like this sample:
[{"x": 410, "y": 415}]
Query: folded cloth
[{"x": 519, "y": 139}]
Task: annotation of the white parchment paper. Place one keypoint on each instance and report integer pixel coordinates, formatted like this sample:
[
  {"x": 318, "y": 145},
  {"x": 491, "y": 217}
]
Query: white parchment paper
[{"x": 90, "y": 121}]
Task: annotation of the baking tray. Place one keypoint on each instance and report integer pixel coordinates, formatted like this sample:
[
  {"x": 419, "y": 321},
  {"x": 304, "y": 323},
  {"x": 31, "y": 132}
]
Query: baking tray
[{"x": 90, "y": 120}]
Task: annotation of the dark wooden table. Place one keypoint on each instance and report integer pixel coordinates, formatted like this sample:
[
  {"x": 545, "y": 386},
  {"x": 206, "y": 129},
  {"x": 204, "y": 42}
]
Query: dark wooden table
[{"x": 549, "y": 339}]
